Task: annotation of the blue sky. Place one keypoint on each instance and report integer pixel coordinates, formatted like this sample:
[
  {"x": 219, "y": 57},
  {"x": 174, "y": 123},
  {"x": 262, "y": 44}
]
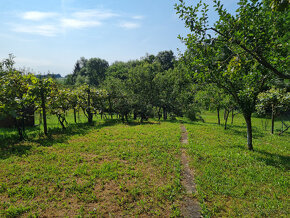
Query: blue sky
[{"x": 51, "y": 35}]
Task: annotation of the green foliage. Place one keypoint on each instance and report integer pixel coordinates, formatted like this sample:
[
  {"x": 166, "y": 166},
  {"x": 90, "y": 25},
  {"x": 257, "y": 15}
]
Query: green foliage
[
  {"x": 238, "y": 57},
  {"x": 59, "y": 104},
  {"x": 273, "y": 101},
  {"x": 91, "y": 101},
  {"x": 120, "y": 69},
  {"x": 142, "y": 88},
  {"x": 279, "y": 5},
  {"x": 17, "y": 99},
  {"x": 119, "y": 98},
  {"x": 92, "y": 71},
  {"x": 166, "y": 59},
  {"x": 96, "y": 70},
  {"x": 255, "y": 29}
]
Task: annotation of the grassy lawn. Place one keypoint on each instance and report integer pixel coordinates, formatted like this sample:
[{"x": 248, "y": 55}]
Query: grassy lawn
[
  {"x": 109, "y": 169},
  {"x": 234, "y": 182},
  {"x": 115, "y": 169}
]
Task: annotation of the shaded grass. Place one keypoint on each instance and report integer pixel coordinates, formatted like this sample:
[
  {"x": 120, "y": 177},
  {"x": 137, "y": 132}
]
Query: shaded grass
[{"x": 233, "y": 181}]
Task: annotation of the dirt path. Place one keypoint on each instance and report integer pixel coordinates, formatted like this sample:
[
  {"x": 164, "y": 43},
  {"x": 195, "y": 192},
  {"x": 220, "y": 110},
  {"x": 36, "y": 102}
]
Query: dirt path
[{"x": 190, "y": 206}]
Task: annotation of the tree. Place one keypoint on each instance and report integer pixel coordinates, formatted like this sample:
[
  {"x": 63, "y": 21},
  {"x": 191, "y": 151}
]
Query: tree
[
  {"x": 279, "y": 5},
  {"x": 149, "y": 58},
  {"x": 229, "y": 106},
  {"x": 60, "y": 104},
  {"x": 142, "y": 88},
  {"x": 226, "y": 61},
  {"x": 211, "y": 98},
  {"x": 74, "y": 102},
  {"x": 96, "y": 71},
  {"x": 166, "y": 59},
  {"x": 118, "y": 70},
  {"x": 79, "y": 70},
  {"x": 164, "y": 89},
  {"x": 273, "y": 101},
  {"x": 256, "y": 29},
  {"x": 42, "y": 92},
  {"x": 16, "y": 94}
]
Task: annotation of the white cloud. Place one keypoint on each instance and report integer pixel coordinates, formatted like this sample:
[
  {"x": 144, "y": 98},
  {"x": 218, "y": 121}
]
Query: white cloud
[
  {"x": 44, "y": 30},
  {"x": 75, "y": 23},
  {"x": 52, "y": 24},
  {"x": 138, "y": 17},
  {"x": 96, "y": 14},
  {"x": 37, "y": 15},
  {"x": 129, "y": 25}
]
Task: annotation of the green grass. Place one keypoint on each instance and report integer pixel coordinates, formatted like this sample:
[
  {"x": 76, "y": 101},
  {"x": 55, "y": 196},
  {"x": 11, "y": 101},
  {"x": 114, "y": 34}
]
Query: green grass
[
  {"x": 115, "y": 169},
  {"x": 110, "y": 169},
  {"x": 234, "y": 182}
]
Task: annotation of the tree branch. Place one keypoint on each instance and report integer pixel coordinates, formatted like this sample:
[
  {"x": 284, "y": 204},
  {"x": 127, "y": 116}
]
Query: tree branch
[{"x": 258, "y": 57}]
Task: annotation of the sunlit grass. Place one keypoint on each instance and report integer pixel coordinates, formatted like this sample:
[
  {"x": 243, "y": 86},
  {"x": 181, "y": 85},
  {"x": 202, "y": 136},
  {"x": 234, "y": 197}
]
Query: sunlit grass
[
  {"x": 233, "y": 181},
  {"x": 115, "y": 169},
  {"x": 110, "y": 169}
]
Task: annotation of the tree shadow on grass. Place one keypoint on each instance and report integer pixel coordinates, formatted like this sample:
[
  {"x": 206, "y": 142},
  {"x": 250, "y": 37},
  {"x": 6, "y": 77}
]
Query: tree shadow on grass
[
  {"x": 138, "y": 123},
  {"x": 19, "y": 149},
  {"x": 183, "y": 121},
  {"x": 275, "y": 160},
  {"x": 270, "y": 159},
  {"x": 10, "y": 146},
  {"x": 242, "y": 131}
]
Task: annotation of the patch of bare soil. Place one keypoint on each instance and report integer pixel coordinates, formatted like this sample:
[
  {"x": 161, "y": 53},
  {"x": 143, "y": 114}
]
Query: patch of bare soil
[{"x": 189, "y": 206}]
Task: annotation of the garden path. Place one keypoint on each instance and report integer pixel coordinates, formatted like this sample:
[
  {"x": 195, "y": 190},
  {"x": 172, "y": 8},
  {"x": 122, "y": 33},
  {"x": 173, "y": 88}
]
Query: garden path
[{"x": 190, "y": 206}]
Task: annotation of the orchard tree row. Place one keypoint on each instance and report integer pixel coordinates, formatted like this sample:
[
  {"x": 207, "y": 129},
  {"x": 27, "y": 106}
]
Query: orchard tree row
[
  {"x": 154, "y": 86},
  {"x": 243, "y": 54},
  {"x": 150, "y": 87}
]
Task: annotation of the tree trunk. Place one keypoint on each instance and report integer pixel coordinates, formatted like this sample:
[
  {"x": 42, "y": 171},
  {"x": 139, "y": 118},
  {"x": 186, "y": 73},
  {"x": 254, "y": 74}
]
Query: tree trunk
[
  {"x": 164, "y": 114},
  {"x": 20, "y": 132},
  {"x": 90, "y": 115},
  {"x": 233, "y": 114},
  {"x": 135, "y": 115},
  {"x": 226, "y": 116},
  {"x": 43, "y": 113},
  {"x": 75, "y": 115},
  {"x": 40, "y": 118},
  {"x": 61, "y": 121},
  {"x": 218, "y": 115},
  {"x": 90, "y": 118},
  {"x": 273, "y": 119},
  {"x": 159, "y": 114},
  {"x": 249, "y": 131}
]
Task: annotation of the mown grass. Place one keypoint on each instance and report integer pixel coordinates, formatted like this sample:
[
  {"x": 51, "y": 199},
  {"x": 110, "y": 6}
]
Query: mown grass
[
  {"x": 234, "y": 182},
  {"x": 115, "y": 169},
  {"x": 110, "y": 169}
]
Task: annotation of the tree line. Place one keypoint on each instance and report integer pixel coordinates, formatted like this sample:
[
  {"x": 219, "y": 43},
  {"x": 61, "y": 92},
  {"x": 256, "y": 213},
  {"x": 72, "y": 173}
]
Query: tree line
[
  {"x": 154, "y": 86},
  {"x": 237, "y": 65}
]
